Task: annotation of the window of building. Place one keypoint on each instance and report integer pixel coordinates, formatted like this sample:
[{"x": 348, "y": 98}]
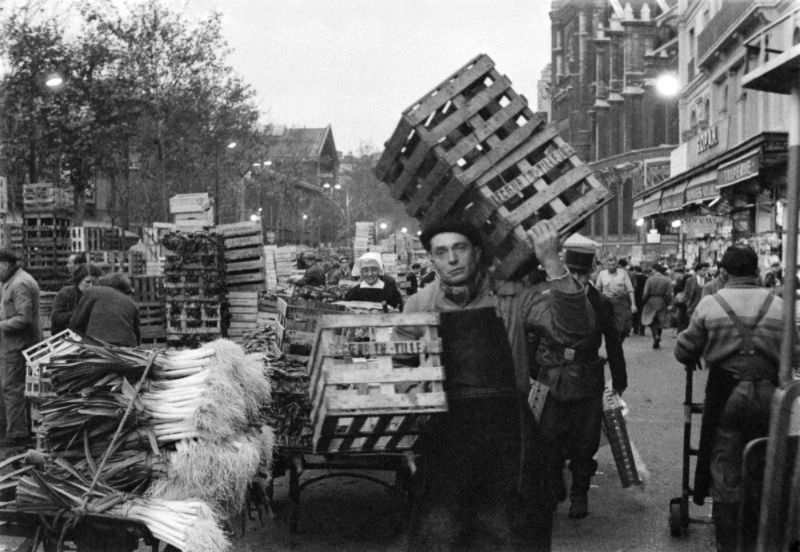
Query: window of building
[{"x": 692, "y": 119}]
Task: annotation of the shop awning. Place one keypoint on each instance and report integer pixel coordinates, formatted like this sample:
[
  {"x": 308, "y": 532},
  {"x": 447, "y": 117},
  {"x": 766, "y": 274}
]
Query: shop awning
[
  {"x": 647, "y": 205},
  {"x": 672, "y": 198},
  {"x": 701, "y": 188},
  {"x": 742, "y": 168}
]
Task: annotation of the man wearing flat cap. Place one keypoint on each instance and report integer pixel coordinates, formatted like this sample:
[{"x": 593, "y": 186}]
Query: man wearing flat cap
[
  {"x": 570, "y": 421},
  {"x": 19, "y": 329},
  {"x": 486, "y": 487}
]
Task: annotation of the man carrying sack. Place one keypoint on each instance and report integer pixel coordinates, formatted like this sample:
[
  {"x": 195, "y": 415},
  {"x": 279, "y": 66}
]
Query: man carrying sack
[
  {"x": 738, "y": 332},
  {"x": 570, "y": 420},
  {"x": 485, "y": 486}
]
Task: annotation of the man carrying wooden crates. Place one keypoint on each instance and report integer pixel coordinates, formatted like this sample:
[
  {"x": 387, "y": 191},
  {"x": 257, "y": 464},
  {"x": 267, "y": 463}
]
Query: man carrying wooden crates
[{"x": 483, "y": 464}]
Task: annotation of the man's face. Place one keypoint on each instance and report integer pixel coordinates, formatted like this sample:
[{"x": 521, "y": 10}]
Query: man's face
[
  {"x": 454, "y": 258},
  {"x": 611, "y": 265}
]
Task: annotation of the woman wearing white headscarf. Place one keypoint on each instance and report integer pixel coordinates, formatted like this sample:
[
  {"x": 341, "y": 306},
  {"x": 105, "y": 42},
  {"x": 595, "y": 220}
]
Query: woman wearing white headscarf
[{"x": 374, "y": 285}]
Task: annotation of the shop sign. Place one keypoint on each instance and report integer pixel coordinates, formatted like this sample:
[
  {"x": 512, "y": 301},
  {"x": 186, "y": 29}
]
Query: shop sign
[
  {"x": 701, "y": 190},
  {"x": 698, "y": 226},
  {"x": 653, "y": 237},
  {"x": 779, "y": 145},
  {"x": 739, "y": 170},
  {"x": 707, "y": 139},
  {"x": 673, "y": 198}
]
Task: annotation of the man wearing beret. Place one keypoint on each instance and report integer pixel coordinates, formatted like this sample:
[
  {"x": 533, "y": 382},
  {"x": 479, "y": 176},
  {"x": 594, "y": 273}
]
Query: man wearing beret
[
  {"x": 19, "y": 329},
  {"x": 486, "y": 487},
  {"x": 571, "y": 418}
]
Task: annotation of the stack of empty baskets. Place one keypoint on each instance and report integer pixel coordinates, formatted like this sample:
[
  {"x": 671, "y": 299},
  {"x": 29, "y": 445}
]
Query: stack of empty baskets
[{"x": 472, "y": 148}]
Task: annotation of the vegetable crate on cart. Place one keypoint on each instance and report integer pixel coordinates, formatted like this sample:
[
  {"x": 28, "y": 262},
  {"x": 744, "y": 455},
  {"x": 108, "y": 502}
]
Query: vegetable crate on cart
[
  {"x": 373, "y": 391},
  {"x": 472, "y": 148}
]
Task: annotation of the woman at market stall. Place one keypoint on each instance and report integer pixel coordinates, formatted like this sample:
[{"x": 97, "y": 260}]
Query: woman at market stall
[
  {"x": 374, "y": 285},
  {"x": 83, "y": 277}
]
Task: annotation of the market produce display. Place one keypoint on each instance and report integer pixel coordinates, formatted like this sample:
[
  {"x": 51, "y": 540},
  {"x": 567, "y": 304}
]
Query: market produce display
[{"x": 171, "y": 439}]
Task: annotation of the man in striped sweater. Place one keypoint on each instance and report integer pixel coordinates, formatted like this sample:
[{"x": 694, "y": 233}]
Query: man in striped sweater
[{"x": 738, "y": 332}]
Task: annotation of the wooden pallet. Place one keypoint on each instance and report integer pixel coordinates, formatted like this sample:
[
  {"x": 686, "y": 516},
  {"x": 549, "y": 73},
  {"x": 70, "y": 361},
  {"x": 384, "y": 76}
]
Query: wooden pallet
[
  {"x": 243, "y": 244},
  {"x": 148, "y": 289},
  {"x": 37, "y": 383},
  {"x": 152, "y": 320},
  {"x": 455, "y": 132},
  {"x": 189, "y": 318},
  {"x": 542, "y": 179},
  {"x": 363, "y": 400},
  {"x": 45, "y": 196}
]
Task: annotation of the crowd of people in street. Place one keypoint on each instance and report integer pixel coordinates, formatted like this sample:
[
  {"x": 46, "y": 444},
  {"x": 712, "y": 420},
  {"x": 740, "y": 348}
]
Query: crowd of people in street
[{"x": 495, "y": 463}]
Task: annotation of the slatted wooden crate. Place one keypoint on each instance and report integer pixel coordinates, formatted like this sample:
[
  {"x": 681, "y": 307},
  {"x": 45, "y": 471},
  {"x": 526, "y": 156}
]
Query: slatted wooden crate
[
  {"x": 152, "y": 320},
  {"x": 189, "y": 203},
  {"x": 363, "y": 399},
  {"x": 472, "y": 148},
  {"x": 37, "y": 383},
  {"x": 46, "y": 197},
  {"x": 541, "y": 180},
  {"x": 47, "y": 225},
  {"x": 186, "y": 318},
  {"x": 243, "y": 243},
  {"x": 455, "y": 132},
  {"x": 113, "y": 261},
  {"x": 148, "y": 289},
  {"x": 243, "y": 309},
  {"x": 46, "y": 299}
]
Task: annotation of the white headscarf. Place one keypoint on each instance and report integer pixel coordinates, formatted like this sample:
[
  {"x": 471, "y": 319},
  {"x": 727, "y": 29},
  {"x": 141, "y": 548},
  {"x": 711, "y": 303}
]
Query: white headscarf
[{"x": 372, "y": 256}]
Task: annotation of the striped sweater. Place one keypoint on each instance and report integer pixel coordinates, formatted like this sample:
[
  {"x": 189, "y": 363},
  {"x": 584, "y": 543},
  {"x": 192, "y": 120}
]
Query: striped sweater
[{"x": 712, "y": 334}]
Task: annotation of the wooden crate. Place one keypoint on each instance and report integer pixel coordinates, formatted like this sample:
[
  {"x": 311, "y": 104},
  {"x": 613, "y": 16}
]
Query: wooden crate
[
  {"x": 148, "y": 289},
  {"x": 543, "y": 179},
  {"x": 193, "y": 318},
  {"x": 363, "y": 399},
  {"x": 243, "y": 245},
  {"x": 53, "y": 224},
  {"x": 152, "y": 320},
  {"x": 37, "y": 383},
  {"x": 243, "y": 309},
  {"x": 189, "y": 203},
  {"x": 114, "y": 261},
  {"x": 46, "y": 197},
  {"x": 455, "y": 132},
  {"x": 46, "y": 299}
]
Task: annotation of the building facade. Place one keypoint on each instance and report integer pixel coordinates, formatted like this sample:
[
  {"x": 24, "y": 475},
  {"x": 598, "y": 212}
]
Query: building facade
[
  {"x": 606, "y": 61},
  {"x": 727, "y": 176}
]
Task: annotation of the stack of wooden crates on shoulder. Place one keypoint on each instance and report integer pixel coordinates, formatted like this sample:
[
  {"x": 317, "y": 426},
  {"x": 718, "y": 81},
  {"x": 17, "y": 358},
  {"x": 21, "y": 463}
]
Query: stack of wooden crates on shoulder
[
  {"x": 472, "y": 148},
  {"x": 365, "y": 239}
]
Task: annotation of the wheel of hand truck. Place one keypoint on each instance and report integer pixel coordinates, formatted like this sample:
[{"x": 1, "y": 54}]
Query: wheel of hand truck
[{"x": 676, "y": 522}]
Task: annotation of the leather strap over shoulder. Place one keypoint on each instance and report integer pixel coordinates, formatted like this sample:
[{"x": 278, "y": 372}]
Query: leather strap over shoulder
[{"x": 744, "y": 332}]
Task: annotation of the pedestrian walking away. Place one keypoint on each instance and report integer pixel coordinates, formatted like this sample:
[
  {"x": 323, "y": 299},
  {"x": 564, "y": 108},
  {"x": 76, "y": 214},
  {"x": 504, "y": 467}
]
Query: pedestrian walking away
[
  {"x": 19, "y": 329},
  {"x": 483, "y": 462},
  {"x": 571, "y": 418},
  {"x": 738, "y": 332},
  {"x": 656, "y": 298}
]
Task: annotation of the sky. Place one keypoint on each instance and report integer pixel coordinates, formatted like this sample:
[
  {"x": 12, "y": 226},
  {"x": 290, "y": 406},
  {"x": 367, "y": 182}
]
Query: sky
[{"x": 357, "y": 64}]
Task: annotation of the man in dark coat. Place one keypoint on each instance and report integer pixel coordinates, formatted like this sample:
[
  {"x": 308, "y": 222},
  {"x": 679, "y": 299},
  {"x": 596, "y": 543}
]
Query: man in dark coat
[
  {"x": 738, "y": 332},
  {"x": 693, "y": 289},
  {"x": 483, "y": 460},
  {"x": 107, "y": 312},
  {"x": 656, "y": 297},
  {"x": 571, "y": 418}
]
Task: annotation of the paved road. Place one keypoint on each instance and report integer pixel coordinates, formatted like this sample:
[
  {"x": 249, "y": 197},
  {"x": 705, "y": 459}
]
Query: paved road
[{"x": 352, "y": 515}]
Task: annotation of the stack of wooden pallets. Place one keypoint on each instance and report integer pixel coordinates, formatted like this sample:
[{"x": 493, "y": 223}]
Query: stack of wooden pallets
[
  {"x": 148, "y": 292},
  {"x": 46, "y": 233},
  {"x": 243, "y": 309},
  {"x": 365, "y": 238},
  {"x": 243, "y": 243},
  {"x": 270, "y": 266},
  {"x": 194, "y": 285},
  {"x": 364, "y": 400},
  {"x": 472, "y": 148}
]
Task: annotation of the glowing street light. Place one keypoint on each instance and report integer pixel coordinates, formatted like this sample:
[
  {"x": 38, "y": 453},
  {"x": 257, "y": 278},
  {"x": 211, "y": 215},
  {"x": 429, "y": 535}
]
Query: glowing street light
[
  {"x": 326, "y": 185},
  {"x": 640, "y": 222},
  {"x": 305, "y": 216},
  {"x": 404, "y": 230},
  {"x": 254, "y": 218},
  {"x": 231, "y": 145},
  {"x": 676, "y": 223},
  {"x": 383, "y": 226},
  {"x": 337, "y": 186},
  {"x": 54, "y": 81},
  {"x": 668, "y": 85}
]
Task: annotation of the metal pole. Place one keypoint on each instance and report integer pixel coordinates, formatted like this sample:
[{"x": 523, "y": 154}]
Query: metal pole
[
  {"x": 775, "y": 496},
  {"x": 792, "y": 183}
]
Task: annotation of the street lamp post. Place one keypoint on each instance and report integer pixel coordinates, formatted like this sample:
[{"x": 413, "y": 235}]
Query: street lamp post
[{"x": 217, "y": 203}]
